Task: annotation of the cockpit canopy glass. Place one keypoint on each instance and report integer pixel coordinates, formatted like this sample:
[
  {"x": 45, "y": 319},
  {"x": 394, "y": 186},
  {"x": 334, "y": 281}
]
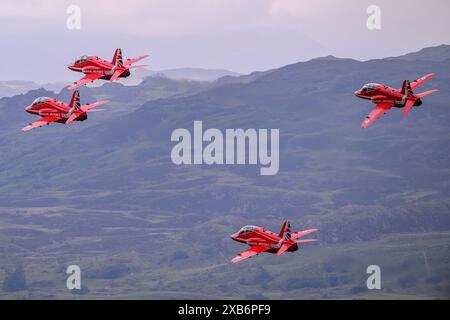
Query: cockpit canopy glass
[
  {"x": 39, "y": 100},
  {"x": 247, "y": 229},
  {"x": 81, "y": 59},
  {"x": 369, "y": 87}
]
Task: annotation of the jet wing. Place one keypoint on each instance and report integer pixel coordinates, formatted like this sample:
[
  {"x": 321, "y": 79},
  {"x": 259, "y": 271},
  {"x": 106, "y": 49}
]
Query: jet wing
[
  {"x": 419, "y": 82},
  {"x": 87, "y": 79},
  {"x": 300, "y": 234},
  {"x": 131, "y": 61},
  {"x": 376, "y": 113},
  {"x": 41, "y": 122},
  {"x": 253, "y": 251}
]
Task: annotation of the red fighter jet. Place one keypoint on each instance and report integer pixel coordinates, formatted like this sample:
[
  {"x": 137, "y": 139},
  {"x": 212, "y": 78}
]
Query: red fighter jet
[
  {"x": 387, "y": 98},
  {"x": 52, "y": 110},
  {"x": 95, "y": 68},
  {"x": 262, "y": 240}
]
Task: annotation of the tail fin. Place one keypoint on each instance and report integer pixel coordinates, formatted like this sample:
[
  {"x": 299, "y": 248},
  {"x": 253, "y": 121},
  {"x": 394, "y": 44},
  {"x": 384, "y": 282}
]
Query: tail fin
[
  {"x": 75, "y": 101},
  {"x": 117, "y": 60},
  {"x": 285, "y": 232},
  {"x": 406, "y": 88}
]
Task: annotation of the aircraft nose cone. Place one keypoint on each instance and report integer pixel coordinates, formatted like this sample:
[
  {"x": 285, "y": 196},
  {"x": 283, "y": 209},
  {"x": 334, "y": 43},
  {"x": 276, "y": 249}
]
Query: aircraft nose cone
[
  {"x": 28, "y": 109},
  {"x": 357, "y": 93},
  {"x": 234, "y": 236}
]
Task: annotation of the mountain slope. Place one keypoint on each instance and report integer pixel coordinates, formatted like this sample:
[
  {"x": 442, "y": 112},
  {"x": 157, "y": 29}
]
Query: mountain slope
[
  {"x": 436, "y": 54},
  {"x": 111, "y": 192}
]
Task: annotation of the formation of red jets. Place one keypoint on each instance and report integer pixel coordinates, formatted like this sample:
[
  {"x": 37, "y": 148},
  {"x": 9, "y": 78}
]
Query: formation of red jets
[
  {"x": 51, "y": 110},
  {"x": 259, "y": 239},
  {"x": 95, "y": 68}
]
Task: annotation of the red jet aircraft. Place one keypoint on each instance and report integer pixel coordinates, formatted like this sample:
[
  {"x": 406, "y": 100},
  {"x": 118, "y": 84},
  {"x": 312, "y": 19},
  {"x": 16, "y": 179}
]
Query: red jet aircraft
[
  {"x": 262, "y": 240},
  {"x": 95, "y": 68},
  {"x": 386, "y": 98},
  {"x": 52, "y": 110}
]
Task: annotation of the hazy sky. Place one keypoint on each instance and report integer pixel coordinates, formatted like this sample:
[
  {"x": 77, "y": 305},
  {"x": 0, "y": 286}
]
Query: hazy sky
[{"x": 240, "y": 35}]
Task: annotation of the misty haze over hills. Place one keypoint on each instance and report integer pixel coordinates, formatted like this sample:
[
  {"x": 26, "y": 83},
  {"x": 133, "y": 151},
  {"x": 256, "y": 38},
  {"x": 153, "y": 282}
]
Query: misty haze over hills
[
  {"x": 104, "y": 193},
  {"x": 15, "y": 87}
]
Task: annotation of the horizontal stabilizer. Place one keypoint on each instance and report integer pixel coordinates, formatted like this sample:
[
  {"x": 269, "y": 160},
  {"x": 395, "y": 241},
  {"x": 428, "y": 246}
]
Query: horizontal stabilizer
[
  {"x": 131, "y": 61},
  {"x": 74, "y": 116},
  {"x": 306, "y": 241},
  {"x": 426, "y": 93},
  {"x": 408, "y": 107},
  {"x": 137, "y": 67},
  {"x": 116, "y": 74},
  {"x": 88, "y": 107},
  {"x": 300, "y": 234},
  {"x": 416, "y": 84},
  {"x": 285, "y": 247}
]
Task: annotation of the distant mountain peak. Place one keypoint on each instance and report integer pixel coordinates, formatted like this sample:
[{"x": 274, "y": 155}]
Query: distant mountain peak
[{"x": 329, "y": 58}]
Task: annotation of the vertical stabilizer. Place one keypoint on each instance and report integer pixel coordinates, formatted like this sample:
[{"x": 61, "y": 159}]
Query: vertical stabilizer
[
  {"x": 117, "y": 60},
  {"x": 74, "y": 102},
  {"x": 285, "y": 232},
  {"x": 406, "y": 88}
]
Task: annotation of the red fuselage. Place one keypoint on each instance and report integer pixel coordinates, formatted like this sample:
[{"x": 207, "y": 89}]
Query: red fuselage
[
  {"x": 96, "y": 65},
  {"x": 258, "y": 236},
  {"x": 48, "y": 107},
  {"x": 379, "y": 93}
]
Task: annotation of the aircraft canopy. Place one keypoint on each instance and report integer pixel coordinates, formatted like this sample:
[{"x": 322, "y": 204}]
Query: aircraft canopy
[
  {"x": 247, "y": 229},
  {"x": 369, "y": 87},
  {"x": 39, "y": 100},
  {"x": 81, "y": 59}
]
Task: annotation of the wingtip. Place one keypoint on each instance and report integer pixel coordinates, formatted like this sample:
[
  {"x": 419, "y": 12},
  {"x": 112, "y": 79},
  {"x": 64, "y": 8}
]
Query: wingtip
[
  {"x": 27, "y": 128},
  {"x": 366, "y": 123}
]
